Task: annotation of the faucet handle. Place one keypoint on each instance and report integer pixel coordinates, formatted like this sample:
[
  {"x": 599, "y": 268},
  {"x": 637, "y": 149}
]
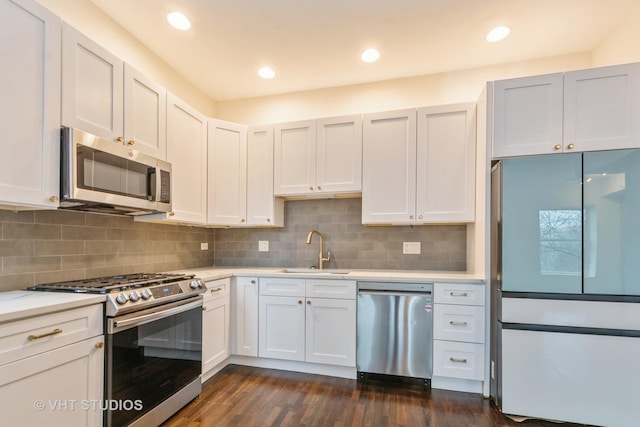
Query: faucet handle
[{"x": 328, "y": 258}]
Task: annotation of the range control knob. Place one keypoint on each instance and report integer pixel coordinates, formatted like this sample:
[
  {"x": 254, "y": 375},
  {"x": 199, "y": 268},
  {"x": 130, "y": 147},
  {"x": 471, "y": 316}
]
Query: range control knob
[
  {"x": 133, "y": 297},
  {"x": 121, "y": 299},
  {"x": 194, "y": 284},
  {"x": 145, "y": 294},
  {"x": 201, "y": 284}
]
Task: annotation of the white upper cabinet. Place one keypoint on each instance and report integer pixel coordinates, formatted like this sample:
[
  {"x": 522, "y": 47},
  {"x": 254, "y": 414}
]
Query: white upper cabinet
[
  {"x": 318, "y": 157},
  {"x": 263, "y": 209},
  {"x": 227, "y": 182},
  {"x": 145, "y": 114},
  {"x": 103, "y": 96},
  {"x": 586, "y": 110},
  {"x": 187, "y": 153},
  {"x": 30, "y": 105},
  {"x": 389, "y": 167},
  {"x": 446, "y": 163}
]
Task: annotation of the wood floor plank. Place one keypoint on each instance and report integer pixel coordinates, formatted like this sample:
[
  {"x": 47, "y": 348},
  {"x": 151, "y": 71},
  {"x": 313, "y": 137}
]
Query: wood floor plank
[{"x": 242, "y": 396}]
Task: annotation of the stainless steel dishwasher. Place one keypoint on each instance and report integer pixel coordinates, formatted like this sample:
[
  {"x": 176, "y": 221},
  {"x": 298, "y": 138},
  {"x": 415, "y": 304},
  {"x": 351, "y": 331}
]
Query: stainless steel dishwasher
[{"x": 395, "y": 330}]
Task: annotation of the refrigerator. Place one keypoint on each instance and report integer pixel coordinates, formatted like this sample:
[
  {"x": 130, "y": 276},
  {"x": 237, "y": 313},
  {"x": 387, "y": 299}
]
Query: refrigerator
[{"x": 565, "y": 287}]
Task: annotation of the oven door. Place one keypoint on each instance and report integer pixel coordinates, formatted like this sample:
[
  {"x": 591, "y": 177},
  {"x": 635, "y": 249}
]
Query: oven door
[{"x": 151, "y": 355}]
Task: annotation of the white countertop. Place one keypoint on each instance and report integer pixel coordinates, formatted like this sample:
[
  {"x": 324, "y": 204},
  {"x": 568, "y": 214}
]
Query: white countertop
[
  {"x": 20, "y": 304},
  {"x": 419, "y": 276}
]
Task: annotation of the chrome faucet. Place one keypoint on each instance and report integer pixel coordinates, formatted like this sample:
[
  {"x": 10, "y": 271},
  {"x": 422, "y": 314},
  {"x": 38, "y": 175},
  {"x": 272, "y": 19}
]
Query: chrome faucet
[{"x": 321, "y": 258}]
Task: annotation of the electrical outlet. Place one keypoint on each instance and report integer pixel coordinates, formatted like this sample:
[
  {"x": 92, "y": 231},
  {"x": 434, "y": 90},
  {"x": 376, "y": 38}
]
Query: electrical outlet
[
  {"x": 263, "y": 246},
  {"x": 204, "y": 246},
  {"x": 411, "y": 248}
]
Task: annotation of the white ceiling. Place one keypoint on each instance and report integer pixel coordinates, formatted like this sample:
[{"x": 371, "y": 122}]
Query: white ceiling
[{"x": 317, "y": 43}]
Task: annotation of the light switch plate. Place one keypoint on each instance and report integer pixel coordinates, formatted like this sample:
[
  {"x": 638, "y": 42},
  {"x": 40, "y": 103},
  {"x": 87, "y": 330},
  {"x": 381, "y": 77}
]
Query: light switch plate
[
  {"x": 263, "y": 246},
  {"x": 204, "y": 246},
  {"x": 411, "y": 248}
]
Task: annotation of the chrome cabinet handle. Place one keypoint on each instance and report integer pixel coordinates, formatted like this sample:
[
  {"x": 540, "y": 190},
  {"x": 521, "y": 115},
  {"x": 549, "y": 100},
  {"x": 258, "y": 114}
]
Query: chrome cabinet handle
[
  {"x": 56, "y": 331},
  {"x": 454, "y": 323},
  {"x": 216, "y": 290},
  {"x": 456, "y": 360},
  {"x": 458, "y": 294}
]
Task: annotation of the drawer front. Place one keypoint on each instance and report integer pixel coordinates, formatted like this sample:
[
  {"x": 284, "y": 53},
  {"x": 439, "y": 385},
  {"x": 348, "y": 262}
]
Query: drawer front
[
  {"x": 458, "y": 323},
  {"x": 28, "y": 337},
  {"x": 341, "y": 289},
  {"x": 276, "y": 286},
  {"x": 458, "y": 360},
  {"x": 459, "y": 293},
  {"x": 217, "y": 289}
]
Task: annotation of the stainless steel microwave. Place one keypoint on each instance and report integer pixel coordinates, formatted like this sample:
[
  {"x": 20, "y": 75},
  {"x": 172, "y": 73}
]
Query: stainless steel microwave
[{"x": 99, "y": 175}]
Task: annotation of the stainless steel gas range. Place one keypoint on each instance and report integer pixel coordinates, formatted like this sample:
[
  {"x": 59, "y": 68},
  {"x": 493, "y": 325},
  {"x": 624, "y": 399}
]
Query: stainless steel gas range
[{"x": 153, "y": 358}]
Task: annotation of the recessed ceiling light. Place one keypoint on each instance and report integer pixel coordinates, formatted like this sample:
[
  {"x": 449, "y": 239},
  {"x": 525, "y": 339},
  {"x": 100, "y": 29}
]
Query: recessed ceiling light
[
  {"x": 498, "y": 33},
  {"x": 370, "y": 55},
  {"x": 179, "y": 21},
  {"x": 266, "y": 73}
]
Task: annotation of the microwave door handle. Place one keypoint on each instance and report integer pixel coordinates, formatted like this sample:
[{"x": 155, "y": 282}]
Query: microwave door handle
[{"x": 153, "y": 184}]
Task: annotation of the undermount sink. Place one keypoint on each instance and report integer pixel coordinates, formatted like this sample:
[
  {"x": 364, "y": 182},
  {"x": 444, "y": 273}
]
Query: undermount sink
[{"x": 314, "y": 271}]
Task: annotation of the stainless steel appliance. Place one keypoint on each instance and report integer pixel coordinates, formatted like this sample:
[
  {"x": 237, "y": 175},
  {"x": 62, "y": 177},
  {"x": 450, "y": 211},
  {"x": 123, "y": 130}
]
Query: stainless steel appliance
[
  {"x": 395, "y": 330},
  {"x": 98, "y": 175},
  {"x": 153, "y": 358}
]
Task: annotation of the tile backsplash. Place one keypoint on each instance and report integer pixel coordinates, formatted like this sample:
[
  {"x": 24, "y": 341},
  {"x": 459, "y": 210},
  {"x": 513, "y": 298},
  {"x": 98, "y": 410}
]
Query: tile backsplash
[
  {"x": 352, "y": 245},
  {"x": 49, "y": 246}
]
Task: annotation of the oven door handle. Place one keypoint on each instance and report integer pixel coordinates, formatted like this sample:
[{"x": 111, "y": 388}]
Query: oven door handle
[{"x": 157, "y": 315}]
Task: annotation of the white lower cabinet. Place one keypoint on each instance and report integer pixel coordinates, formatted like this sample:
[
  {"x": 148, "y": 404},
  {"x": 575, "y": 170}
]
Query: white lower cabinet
[
  {"x": 52, "y": 369},
  {"x": 244, "y": 322},
  {"x": 459, "y": 331},
  {"x": 303, "y": 327},
  {"x": 215, "y": 324}
]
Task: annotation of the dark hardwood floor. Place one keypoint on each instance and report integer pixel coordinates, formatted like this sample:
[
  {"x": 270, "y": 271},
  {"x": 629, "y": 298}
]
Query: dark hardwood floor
[{"x": 242, "y": 396}]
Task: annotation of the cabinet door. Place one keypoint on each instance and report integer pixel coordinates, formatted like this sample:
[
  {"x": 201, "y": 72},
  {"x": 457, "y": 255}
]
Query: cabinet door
[
  {"x": 92, "y": 86},
  {"x": 187, "y": 152},
  {"x": 244, "y": 298},
  {"x": 295, "y": 158},
  {"x": 281, "y": 327},
  {"x": 145, "y": 114},
  {"x": 527, "y": 114},
  {"x": 227, "y": 177},
  {"x": 446, "y": 164},
  {"x": 262, "y": 207},
  {"x": 215, "y": 333},
  {"x": 61, "y": 380},
  {"x": 30, "y": 105},
  {"x": 542, "y": 224},
  {"x": 339, "y": 155},
  {"x": 389, "y": 168},
  {"x": 601, "y": 108},
  {"x": 331, "y": 331},
  {"x": 611, "y": 227}
]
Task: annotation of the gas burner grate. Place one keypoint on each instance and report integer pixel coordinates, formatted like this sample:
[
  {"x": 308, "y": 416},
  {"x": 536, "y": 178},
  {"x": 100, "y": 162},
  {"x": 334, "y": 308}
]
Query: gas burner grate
[{"x": 105, "y": 285}]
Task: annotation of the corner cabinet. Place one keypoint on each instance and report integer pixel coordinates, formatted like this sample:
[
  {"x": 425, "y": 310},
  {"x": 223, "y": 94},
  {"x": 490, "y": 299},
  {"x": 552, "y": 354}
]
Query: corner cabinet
[
  {"x": 30, "y": 105},
  {"x": 585, "y": 110},
  {"x": 419, "y": 166},
  {"x": 38, "y": 355},
  {"x": 318, "y": 157},
  {"x": 106, "y": 97}
]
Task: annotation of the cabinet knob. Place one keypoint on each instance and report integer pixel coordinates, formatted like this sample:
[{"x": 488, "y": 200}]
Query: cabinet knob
[
  {"x": 557, "y": 147},
  {"x": 172, "y": 213},
  {"x": 99, "y": 345},
  {"x": 410, "y": 216},
  {"x": 120, "y": 139},
  {"x": 319, "y": 188},
  {"x": 308, "y": 302},
  {"x": 253, "y": 282},
  {"x": 131, "y": 142},
  {"x": 570, "y": 146},
  {"x": 299, "y": 301},
  {"x": 242, "y": 220},
  {"x": 268, "y": 219},
  {"x": 54, "y": 198},
  {"x": 204, "y": 308},
  {"x": 311, "y": 188},
  {"x": 420, "y": 217}
]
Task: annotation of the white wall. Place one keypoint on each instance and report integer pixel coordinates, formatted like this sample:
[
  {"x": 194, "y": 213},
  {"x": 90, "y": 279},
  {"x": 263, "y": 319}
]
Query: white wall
[
  {"x": 445, "y": 88},
  {"x": 88, "y": 19},
  {"x": 622, "y": 45}
]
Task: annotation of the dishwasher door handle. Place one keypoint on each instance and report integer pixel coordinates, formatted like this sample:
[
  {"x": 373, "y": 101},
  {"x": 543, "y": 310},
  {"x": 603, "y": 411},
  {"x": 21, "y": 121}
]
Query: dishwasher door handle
[{"x": 392, "y": 293}]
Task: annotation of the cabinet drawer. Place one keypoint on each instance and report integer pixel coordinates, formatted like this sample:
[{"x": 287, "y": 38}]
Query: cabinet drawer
[
  {"x": 28, "y": 337},
  {"x": 458, "y": 323},
  {"x": 217, "y": 289},
  {"x": 458, "y": 360},
  {"x": 342, "y": 289},
  {"x": 282, "y": 287},
  {"x": 459, "y": 293}
]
